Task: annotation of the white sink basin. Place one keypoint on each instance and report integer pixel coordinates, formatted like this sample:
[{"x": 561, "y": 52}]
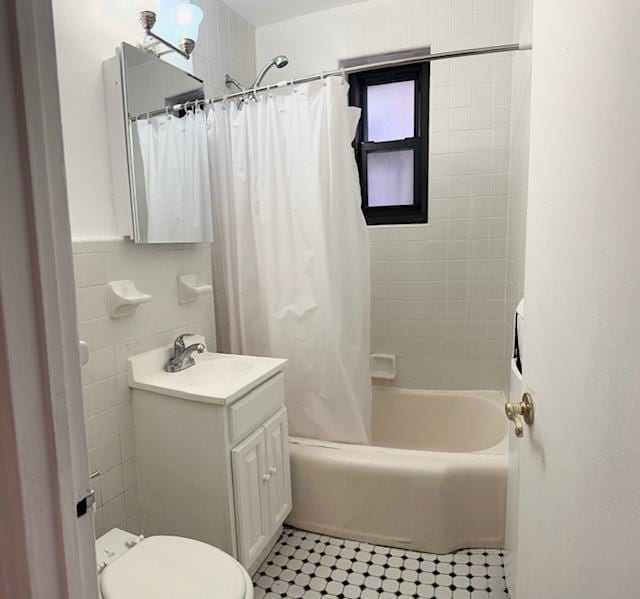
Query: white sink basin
[{"x": 215, "y": 378}]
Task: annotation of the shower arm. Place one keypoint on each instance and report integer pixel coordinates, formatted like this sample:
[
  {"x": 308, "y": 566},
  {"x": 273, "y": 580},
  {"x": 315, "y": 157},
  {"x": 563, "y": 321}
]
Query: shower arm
[{"x": 229, "y": 81}]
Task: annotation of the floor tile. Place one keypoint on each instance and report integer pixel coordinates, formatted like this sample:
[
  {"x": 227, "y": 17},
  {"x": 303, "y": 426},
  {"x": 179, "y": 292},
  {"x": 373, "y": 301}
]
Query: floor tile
[{"x": 305, "y": 565}]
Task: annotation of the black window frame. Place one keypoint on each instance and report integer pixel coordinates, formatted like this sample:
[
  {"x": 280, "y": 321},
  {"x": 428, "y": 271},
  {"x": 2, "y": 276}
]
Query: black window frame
[{"x": 418, "y": 212}]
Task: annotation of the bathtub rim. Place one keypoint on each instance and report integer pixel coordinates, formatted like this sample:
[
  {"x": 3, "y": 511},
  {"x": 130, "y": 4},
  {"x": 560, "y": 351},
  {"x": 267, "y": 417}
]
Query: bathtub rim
[{"x": 499, "y": 449}]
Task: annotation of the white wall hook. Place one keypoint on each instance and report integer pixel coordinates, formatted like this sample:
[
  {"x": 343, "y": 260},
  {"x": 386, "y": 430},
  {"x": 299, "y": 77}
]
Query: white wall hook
[
  {"x": 189, "y": 288},
  {"x": 124, "y": 298}
]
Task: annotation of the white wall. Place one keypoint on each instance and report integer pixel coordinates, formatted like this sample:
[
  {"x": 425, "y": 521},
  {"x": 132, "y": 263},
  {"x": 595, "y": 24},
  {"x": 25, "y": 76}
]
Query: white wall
[
  {"x": 438, "y": 290},
  {"x": 580, "y": 483},
  {"x": 87, "y": 33}
]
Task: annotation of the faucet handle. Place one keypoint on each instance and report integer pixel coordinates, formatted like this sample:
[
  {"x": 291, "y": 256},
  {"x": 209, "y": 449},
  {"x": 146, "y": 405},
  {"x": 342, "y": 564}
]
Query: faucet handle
[{"x": 179, "y": 342}]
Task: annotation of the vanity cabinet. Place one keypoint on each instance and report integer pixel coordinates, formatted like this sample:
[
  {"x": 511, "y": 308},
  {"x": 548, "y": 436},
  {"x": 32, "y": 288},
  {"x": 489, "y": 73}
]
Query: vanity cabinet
[{"x": 211, "y": 468}]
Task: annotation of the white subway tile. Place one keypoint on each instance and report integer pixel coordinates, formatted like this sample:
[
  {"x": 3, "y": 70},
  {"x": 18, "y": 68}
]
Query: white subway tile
[
  {"x": 129, "y": 473},
  {"x": 114, "y": 512},
  {"x": 105, "y": 457},
  {"x": 102, "y": 428},
  {"x": 94, "y": 269},
  {"x": 111, "y": 484}
]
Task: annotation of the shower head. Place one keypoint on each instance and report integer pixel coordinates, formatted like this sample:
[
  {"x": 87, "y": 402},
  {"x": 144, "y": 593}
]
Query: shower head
[
  {"x": 278, "y": 62},
  {"x": 281, "y": 61}
]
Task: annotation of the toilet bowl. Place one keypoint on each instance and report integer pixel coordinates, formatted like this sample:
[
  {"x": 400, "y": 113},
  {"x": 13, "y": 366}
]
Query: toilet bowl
[{"x": 166, "y": 567}]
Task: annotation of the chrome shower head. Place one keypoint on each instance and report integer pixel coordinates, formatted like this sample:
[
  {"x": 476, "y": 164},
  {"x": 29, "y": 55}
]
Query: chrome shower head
[
  {"x": 278, "y": 62},
  {"x": 281, "y": 61}
]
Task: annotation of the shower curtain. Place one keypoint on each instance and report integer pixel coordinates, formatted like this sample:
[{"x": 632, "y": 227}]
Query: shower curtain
[
  {"x": 292, "y": 250},
  {"x": 175, "y": 158}
]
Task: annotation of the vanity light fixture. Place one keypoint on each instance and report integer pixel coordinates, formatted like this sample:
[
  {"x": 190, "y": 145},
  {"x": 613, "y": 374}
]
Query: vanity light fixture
[{"x": 187, "y": 18}]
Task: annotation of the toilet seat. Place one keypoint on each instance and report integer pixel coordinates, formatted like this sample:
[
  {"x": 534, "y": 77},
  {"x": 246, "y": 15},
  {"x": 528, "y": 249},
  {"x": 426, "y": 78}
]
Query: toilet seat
[{"x": 166, "y": 567}]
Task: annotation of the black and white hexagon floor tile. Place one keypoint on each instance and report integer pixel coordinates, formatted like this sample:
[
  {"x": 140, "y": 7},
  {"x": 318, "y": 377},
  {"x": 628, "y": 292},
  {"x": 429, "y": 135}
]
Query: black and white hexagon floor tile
[{"x": 310, "y": 566}]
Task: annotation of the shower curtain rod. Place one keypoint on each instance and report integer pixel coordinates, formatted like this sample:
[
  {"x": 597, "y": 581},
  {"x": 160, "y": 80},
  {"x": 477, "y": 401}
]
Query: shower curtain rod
[{"x": 341, "y": 71}]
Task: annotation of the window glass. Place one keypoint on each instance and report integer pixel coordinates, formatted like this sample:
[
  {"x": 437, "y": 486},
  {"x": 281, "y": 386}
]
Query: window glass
[
  {"x": 390, "y": 178},
  {"x": 390, "y": 111}
]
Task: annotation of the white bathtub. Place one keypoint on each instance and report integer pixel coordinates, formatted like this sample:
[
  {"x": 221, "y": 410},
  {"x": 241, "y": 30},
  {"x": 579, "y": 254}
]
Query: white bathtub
[{"x": 434, "y": 479}]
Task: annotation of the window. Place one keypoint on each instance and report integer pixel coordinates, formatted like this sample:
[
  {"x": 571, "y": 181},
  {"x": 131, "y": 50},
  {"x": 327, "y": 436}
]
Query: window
[{"x": 392, "y": 144}]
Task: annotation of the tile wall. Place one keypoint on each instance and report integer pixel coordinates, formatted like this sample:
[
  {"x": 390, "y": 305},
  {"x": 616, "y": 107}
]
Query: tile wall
[
  {"x": 226, "y": 44},
  {"x": 107, "y": 401},
  {"x": 438, "y": 290}
]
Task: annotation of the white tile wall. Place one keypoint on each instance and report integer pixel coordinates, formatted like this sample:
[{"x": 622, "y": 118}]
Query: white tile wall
[
  {"x": 438, "y": 290},
  {"x": 226, "y": 44},
  {"x": 317, "y": 41},
  {"x": 107, "y": 401}
]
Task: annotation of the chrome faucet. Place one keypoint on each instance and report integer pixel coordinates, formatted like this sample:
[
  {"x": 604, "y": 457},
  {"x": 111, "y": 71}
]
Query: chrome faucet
[{"x": 182, "y": 358}]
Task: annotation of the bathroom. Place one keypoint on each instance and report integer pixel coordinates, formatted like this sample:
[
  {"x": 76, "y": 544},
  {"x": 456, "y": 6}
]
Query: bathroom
[{"x": 262, "y": 293}]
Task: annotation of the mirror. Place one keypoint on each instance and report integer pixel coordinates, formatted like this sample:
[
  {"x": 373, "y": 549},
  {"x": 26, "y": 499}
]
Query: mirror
[{"x": 166, "y": 151}]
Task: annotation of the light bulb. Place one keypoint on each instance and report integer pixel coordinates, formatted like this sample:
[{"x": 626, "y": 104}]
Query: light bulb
[{"x": 187, "y": 18}]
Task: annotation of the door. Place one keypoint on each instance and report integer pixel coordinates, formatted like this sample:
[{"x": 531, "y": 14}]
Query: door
[
  {"x": 279, "y": 482},
  {"x": 249, "y": 461},
  {"x": 578, "y": 521},
  {"x": 47, "y": 538}
]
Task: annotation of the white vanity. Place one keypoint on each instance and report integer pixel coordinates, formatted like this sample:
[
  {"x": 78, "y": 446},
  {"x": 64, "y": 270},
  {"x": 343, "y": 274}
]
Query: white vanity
[{"x": 212, "y": 450}]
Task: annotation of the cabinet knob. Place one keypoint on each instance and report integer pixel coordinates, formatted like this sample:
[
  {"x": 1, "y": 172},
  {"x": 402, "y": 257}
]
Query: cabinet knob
[{"x": 266, "y": 477}]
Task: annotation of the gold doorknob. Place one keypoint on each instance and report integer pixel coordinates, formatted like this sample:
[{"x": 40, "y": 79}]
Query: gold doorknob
[{"x": 525, "y": 409}]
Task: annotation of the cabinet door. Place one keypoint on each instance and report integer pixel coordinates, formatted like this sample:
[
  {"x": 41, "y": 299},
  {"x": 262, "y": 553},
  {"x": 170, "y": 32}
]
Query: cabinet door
[
  {"x": 278, "y": 471},
  {"x": 249, "y": 482}
]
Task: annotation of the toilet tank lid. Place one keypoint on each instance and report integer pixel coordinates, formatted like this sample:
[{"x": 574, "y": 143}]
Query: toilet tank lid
[{"x": 166, "y": 567}]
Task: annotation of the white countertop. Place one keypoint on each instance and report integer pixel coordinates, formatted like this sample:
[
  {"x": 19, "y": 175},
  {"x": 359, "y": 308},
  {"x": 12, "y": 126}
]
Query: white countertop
[{"x": 218, "y": 379}]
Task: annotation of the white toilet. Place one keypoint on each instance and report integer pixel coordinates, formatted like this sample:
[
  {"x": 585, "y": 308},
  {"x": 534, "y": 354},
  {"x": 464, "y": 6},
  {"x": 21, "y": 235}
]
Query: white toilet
[{"x": 163, "y": 567}]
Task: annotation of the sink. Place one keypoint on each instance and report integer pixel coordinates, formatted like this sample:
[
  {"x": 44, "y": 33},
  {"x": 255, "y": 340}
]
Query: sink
[
  {"x": 209, "y": 367},
  {"x": 216, "y": 378}
]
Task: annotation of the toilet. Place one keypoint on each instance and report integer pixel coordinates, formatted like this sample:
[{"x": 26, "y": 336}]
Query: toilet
[{"x": 166, "y": 567}]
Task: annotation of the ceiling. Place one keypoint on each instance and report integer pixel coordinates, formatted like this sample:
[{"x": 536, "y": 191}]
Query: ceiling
[{"x": 263, "y": 12}]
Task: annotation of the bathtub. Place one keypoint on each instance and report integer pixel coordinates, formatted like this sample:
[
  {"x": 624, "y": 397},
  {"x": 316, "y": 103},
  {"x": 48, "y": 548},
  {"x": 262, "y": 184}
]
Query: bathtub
[{"x": 434, "y": 479}]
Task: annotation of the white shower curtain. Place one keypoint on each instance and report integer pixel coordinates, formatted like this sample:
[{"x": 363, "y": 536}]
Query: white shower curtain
[
  {"x": 176, "y": 174},
  {"x": 293, "y": 252}
]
